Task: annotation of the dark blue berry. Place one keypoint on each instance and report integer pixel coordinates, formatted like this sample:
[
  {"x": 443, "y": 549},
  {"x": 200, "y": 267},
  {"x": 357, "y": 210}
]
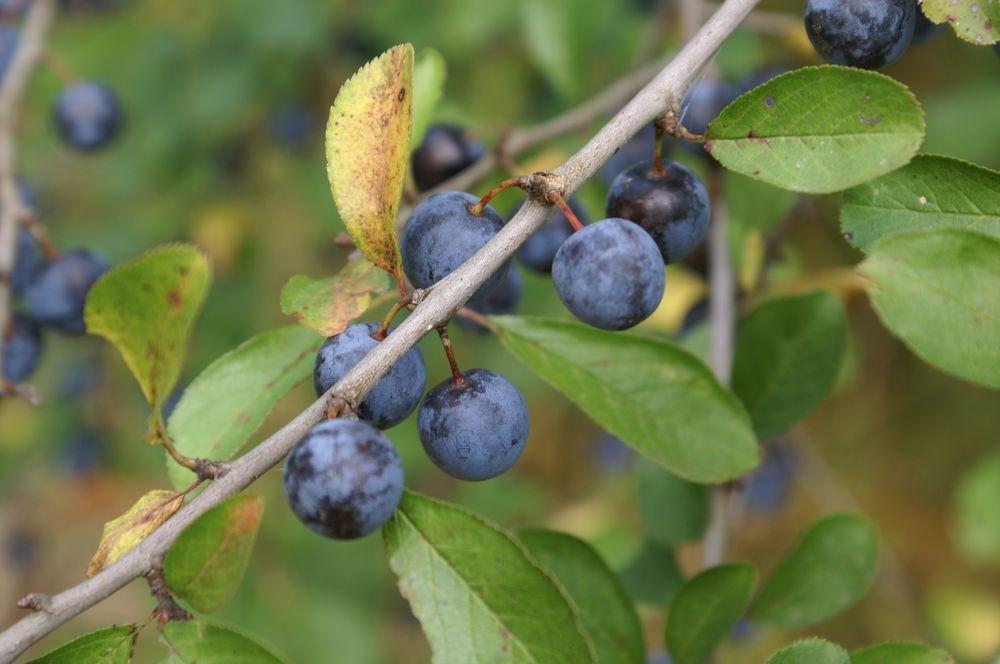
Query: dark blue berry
[
  {"x": 610, "y": 274},
  {"x": 442, "y": 233},
  {"x": 671, "y": 206},
  {"x": 22, "y": 349},
  {"x": 27, "y": 261},
  {"x": 445, "y": 151},
  {"x": 293, "y": 125},
  {"x": 58, "y": 293},
  {"x": 539, "y": 250},
  {"x": 475, "y": 430},
  {"x": 344, "y": 479},
  {"x": 503, "y": 300},
  {"x": 88, "y": 115},
  {"x": 769, "y": 484},
  {"x": 860, "y": 33},
  {"x": 637, "y": 148},
  {"x": 396, "y": 394}
]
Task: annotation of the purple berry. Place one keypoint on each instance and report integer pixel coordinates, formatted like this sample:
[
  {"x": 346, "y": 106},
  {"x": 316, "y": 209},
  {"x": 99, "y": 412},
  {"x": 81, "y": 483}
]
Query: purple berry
[
  {"x": 88, "y": 115},
  {"x": 445, "y": 151},
  {"x": 860, "y": 33},
  {"x": 58, "y": 293}
]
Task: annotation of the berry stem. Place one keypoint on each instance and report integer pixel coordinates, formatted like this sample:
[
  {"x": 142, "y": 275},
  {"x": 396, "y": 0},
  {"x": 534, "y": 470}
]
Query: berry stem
[
  {"x": 400, "y": 304},
  {"x": 167, "y": 606},
  {"x": 519, "y": 181},
  {"x": 478, "y": 318},
  {"x": 450, "y": 353},
  {"x": 60, "y": 67},
  {"x": 41, "y": 236},
  {"x": 204, "y": 469},
  {"x": 658, "y": 133},
  {"x": 557, "y": 199}
]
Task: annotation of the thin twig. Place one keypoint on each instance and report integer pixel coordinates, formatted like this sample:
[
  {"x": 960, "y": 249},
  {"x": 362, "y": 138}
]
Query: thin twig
[{"x": 440, "y": 303}]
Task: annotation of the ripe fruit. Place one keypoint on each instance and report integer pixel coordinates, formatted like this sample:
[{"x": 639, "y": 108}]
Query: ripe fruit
[
  {"x": 539, "y": 250},
  {"x": 671, "y": 206},
  {"x": 57, "y": 294},
  {"x": 88, "y": 115},
  {"x": 445, "y": 151},
  {"x": 610, "y": 274},
  {"x": 344, "y": 479},
  {"x": 442, "y": 233},
  {"x": 22, "y": 349},
  {"x": 503, "y": 300},
  {"x": 637, "y": 148},
  {"x": 860, "y": 33},
  {"x": 477, "y": 430},
  {"x": 27, "y": 260},
  {"x": 397, "y": 393}
]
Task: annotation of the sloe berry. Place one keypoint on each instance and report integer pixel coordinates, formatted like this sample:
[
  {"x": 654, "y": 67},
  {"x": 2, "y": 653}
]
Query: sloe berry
[
  {"x": 88, "y": 115},
  {"x": 9, "y": 38},
  {"x": 477, "y": 430},
  {"x": 539, "y": 250},
  {"x": 58, "y": 293},
  {"x": 396, "y": 394},
  {"x": 445, "y": 151},
  {"x": 344, "y": 479},
  {"x": 637, "y": 148},
  {"x": 442, "y": 233},
  {"x": 27, "y": 261},
  {"x": 703, "y": 104},
  {"x": 503, "y": 300},
  {"x": 860, "y": 33},
  {"x": 22, "y": 349},
  {"x": 671, "y": 206}
]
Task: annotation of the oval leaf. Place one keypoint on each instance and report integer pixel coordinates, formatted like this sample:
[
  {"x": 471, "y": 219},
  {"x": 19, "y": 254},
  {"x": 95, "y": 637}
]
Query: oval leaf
[
  {"x": 901, "y": 653},
  {"x": 207, "y": 562},
  {"x": 190, "y": 642},
  {"x": 672, "y": 509},
  {"x": 225, "y": 404},
  {"x": 121, "y": 535},
  {"x": 929, "y": 193},
  {"x": 705, "y": 610},
  {"x": 605, "y": 610},
  {"x": 367, "y": 148},
  {"x": 653, "y": 576},
  {"x": 829, "y": 570},
  {"x": 811, "y": 651},
  {"x": 976, "y": 21},
  {"x": 429, "y": 73},
  {"x": 788, "y": 353},
  {"x": 977, "y": 520},
  {"x": 106, "y": 646},
  {"x": 936, "y": 290},
  {"x": 475, "y": 590},
  {"x": 146, "y": 308},
  {"x": 653, "y": 395},
  {"x": 819, "y": 129},
  {"x": 329, "y": 305}
]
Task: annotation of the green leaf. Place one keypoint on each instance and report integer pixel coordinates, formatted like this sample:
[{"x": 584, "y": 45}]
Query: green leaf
[
  {"x": 106, "y": 646},
  {"x": 706, "y": 608},
  {"x": 932, "y": 290},
  {"x": 146, "y": 308},
  {"x": 672, "y": 509},
  {"x": 367, "y": 150},
  {"x": 123, "y": 533},
  {"x": 194, "y": 642},
  {"x": 811, "y": 651},
  {"x": 929, "y": 193},
  {"x": 653, "y": 395},
  {"x": 429, "y": 73},
  {"x": 605, "y": 610},
  {"x": 788, "y": 353},
  {"x": 475, "y": 589},
  {"x": 829, "y": 570},
  {"x": 225, "y": 404},
  {"x": 329, "y": 305},
  {"x": 977, "y": 520},
  {"x": 653, "y": 577},
  {"x": 207, "y": 562},
  {"x": 819, "y": 129},
  {"x": 901, "y": 653},
  {"x": 551, "y": 42},
  {"x": 976, "y": 21}
]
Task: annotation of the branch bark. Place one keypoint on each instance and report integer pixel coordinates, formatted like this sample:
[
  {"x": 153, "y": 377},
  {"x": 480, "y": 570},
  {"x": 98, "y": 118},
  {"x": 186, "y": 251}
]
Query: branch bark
[{"x": 665, "y": 90}]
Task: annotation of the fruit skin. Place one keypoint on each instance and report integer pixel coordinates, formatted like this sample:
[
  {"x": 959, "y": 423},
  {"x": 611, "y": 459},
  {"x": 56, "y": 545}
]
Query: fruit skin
[
  {"x": 445, "y": 151},
  {"x": 88, "y": 115},
  {"x": 27, "y": 260},
  {"x": 474, "y": 431},
  {"x": 398, "y": 392},
  {"x": 610, "y": 274},
  {"x": 441, "y": 234},
  {"x": 503, "y": 300},
  {"x": 673, "y": 207},
  {"x": 860, "y": 33},
  {"x": 22, "y": 350},
  {"x": 344, "y": 479},
  {"x": 57, "y": 294},
  {"x": 637, "y": 148},
  {"x": 539, "y": 250}
]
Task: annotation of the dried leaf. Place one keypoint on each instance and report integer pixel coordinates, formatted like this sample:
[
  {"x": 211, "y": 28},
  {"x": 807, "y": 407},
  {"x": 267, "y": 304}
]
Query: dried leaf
[
  {"x": 121, "y": 535},
  {"x": 328, "y": 305}
]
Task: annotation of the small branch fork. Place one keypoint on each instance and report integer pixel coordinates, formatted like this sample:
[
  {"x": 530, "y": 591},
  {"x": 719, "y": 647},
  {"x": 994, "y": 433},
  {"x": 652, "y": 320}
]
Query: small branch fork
[
  {"x": 167, "y": 608},
  {"x": 447, "y": 296}
]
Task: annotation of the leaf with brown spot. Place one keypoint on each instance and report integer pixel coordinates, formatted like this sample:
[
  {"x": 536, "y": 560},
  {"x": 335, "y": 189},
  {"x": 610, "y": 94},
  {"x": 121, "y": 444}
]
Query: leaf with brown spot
[
  {"x": 329, "y": 305},
  {"x": 367, "y": 149},
  {"x": 975, "y": 21},
  {"x": 121, "y": 535}
]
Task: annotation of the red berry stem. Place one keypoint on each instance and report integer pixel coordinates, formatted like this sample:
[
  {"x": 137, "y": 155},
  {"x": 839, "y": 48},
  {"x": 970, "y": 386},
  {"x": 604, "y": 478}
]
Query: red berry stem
[
  {"x": 519, "y": 181},
  {"x": 450, "y": 354},
  {"x": 389, "y": 316},
  {"x": 41, "y": 236},
  {"x": 659, "y": 132},
  {"x": 556, "y": 198}
]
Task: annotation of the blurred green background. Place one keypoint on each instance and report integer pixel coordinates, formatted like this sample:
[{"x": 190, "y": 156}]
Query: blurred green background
[{"x": 226, "y": 102}]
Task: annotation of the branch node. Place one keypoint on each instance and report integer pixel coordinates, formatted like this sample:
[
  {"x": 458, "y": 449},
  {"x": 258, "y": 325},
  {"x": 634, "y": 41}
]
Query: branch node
[
  {"x": 35, "y": 602},
  {"x": 167, "y": 606},
  {"x": 670, "y": 124}
]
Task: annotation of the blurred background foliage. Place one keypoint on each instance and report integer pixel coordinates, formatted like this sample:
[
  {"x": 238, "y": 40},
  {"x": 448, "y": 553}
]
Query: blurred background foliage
[{"x": 226, "y": 103}]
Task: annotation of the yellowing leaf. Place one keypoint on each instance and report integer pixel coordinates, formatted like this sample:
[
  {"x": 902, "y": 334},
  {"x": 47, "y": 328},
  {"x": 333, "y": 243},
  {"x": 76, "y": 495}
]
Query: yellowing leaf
[
  {"x": 367, "y": 148},
  {"x": 328, "y": 305},
  {"x": 121, "y": 535},
  {"x": 976, "y": 21}
]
